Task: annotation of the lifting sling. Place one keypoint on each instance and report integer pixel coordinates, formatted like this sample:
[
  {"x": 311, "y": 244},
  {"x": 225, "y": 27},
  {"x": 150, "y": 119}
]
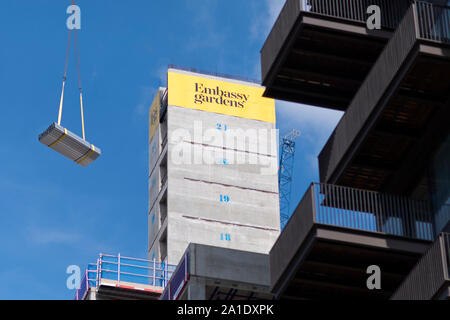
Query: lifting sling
[{"x": 58, "y": 137}]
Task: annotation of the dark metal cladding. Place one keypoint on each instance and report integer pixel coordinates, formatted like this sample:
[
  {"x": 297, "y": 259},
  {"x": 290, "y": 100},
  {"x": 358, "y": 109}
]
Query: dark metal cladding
[
  {"x": 429, "y": 277},
  {"x": 320, "y": 51},
  {"x": 381, "y": 143}
]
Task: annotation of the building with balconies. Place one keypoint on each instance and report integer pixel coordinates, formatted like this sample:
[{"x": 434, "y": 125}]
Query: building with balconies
[{"x": 384, "y": 192}]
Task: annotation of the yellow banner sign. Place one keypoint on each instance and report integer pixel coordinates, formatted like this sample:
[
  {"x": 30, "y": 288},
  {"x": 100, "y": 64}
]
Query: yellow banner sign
[
  {"x": 154, "y": 115},
  {"x": 219, "y": 96}
]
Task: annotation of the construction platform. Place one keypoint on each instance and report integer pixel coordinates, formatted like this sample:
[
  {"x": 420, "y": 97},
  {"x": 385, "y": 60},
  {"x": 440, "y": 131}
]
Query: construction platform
[
  {"x": 124, "y": 278},
  {"x": 214, "y": 273}
]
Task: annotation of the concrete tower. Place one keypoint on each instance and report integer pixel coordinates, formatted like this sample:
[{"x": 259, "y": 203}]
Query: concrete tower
[{"x": 212, "y": 166}]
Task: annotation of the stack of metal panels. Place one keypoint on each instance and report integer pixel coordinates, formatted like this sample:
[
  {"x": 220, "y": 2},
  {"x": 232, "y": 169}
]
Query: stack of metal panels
[{"x": 69, "y": 145}]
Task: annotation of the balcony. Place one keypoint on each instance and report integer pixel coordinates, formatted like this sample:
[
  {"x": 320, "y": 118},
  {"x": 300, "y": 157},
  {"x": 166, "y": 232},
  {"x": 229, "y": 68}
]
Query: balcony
[
  {"x": 399, "y": 116},
  {"x": 430, "y": 278},
  {"x": 117, "y": 277},
  {"x": 337, "y": 232},
  {"x": 320, "y": 51}
]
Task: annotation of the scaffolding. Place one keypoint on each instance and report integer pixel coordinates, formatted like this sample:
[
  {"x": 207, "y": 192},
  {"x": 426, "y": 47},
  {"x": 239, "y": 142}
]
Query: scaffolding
[{"x": 119, "y": 276}]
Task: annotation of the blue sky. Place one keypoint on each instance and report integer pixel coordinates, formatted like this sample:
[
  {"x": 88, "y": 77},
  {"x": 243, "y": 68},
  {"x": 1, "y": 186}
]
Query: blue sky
[{"x": 54, "y": 213}]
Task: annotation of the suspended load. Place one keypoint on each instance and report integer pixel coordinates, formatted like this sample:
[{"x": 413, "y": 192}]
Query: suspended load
[
  {"x": 62, "y": 140},
  {"x": 70, "y": 145}
]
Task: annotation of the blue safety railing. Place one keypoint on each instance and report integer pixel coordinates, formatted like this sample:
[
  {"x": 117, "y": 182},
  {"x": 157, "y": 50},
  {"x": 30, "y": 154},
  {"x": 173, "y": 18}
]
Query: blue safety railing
[
  {"x": 372, "y": 211},
  {"x": 124, "y": 269},
  {"x": 433, "y": 22},
  {"x": 89, "y": 281}
]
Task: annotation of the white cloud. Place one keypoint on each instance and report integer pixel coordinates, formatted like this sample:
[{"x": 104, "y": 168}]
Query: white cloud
[
  {"x": 264, "y": 16},
  {"x": 162, "y": 75},
  {"x": 264, "y": 22},
  {"x": 315, "y": 124},
  {"x": 275, "y": 7},
  {"x": 210, "y": 35},
  {"x": 45, "y": 236},
  {"x": 146, "y": 96},
  {"x": 309, "y": 116},
  {"x": 39, "y": 235}
]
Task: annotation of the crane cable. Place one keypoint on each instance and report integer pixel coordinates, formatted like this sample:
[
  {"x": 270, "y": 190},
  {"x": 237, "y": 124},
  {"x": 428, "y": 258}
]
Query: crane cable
[{"x": 77, "y": 60}]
